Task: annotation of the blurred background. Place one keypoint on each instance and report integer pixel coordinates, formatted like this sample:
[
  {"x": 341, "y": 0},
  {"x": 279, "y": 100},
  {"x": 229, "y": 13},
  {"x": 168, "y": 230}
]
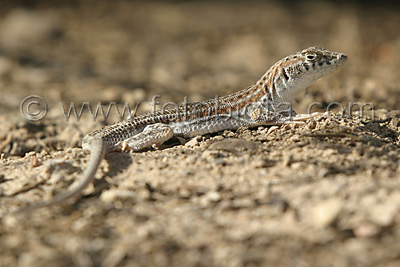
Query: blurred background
[{"x": 128, "y": 51}]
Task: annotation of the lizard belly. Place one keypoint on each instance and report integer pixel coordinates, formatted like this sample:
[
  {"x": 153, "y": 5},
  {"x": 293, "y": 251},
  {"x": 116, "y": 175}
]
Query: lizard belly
[{"x": 200, "y": 127}]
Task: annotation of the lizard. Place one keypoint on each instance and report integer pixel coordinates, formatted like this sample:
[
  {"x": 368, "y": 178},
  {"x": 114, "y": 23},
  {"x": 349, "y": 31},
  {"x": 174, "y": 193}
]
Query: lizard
[{"x": 266, "y": 102}]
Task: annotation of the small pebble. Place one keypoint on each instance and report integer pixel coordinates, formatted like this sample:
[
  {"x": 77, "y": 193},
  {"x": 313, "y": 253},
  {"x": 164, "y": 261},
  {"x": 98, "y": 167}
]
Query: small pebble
[{"x": 326, "y": 212}]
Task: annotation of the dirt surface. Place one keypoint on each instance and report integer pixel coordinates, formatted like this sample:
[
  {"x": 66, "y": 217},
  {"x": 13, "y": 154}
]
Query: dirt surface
[{"x": 323, "y": 193}]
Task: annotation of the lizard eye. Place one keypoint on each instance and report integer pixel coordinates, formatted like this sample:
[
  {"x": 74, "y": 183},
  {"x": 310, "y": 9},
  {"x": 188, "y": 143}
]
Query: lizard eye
[{"x": 311, "y": 56}]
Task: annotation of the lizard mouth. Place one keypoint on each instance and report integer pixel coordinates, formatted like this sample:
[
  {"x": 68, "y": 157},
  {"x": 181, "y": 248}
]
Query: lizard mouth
[{"x": 342, "y": 58}]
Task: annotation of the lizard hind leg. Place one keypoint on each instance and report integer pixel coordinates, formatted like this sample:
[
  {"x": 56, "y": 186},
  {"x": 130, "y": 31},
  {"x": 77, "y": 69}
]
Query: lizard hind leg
[{"x": 152, "y": 135}]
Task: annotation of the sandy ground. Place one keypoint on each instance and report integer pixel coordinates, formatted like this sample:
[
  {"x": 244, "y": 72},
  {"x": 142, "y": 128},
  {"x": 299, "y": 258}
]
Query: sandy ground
[{"x": 323, "y": 193}]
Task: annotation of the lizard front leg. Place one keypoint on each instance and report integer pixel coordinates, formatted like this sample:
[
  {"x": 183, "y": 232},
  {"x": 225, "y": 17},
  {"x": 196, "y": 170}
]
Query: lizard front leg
[{"x": 265, "y": 117}]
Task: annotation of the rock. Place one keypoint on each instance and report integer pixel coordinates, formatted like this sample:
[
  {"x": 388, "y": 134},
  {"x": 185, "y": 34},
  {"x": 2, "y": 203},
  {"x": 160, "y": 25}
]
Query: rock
[
  {"x": 210, "y": 197},
  {"x": 366, "y": 230},
  {"x": 184, "y": 193},
  {"x": 326, "y": 212},
  {"x": 235, "y": 146},
  {"x": 213, "y": 196},
  {"x": 113, "y": 195},
  {"x": 384, "y": 214},
  {"x": 193, "y": 142},
  {"x": 243, "y": 203}
]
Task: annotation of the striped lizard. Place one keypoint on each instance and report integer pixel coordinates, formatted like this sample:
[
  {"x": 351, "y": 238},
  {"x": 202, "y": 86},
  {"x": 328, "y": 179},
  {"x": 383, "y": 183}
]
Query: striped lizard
[{"x": 267, "y": 102}]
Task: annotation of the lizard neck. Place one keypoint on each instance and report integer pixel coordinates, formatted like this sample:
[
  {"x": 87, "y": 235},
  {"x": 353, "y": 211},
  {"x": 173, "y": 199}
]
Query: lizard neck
[{"x": 275, "y": 89}]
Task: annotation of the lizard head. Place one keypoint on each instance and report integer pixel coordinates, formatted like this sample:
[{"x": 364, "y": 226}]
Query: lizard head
[
  {"x": 313, "y": 63},
  {"x": 319, "y": 62},
  {"x": 298, "y": 71}
]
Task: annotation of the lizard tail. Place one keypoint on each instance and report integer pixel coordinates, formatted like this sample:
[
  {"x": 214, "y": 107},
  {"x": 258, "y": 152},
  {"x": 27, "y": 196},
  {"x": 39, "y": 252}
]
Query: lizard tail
[{"x": 97, "y": 153}]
